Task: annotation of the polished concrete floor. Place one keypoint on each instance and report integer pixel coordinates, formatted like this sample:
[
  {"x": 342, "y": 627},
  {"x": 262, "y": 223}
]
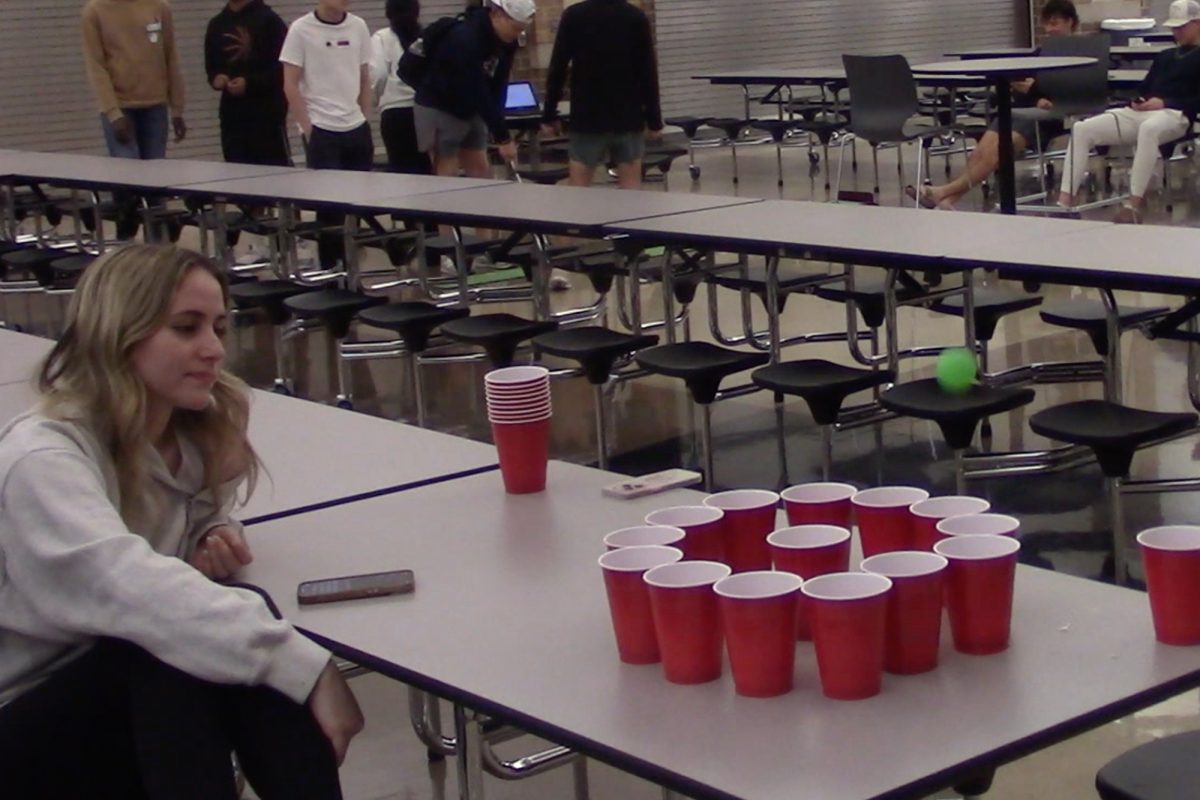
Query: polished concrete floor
[{"x": 1065, "y": 522}]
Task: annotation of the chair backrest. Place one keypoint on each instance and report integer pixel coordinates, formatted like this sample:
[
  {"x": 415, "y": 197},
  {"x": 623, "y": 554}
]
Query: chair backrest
[
  {"x": 1079, "y": 90},
  {"x": 883, "y": 96}
]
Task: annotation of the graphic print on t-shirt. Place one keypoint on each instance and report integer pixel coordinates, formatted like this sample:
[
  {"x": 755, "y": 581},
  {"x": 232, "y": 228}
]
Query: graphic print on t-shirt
[{"x": 239, "y": 45}]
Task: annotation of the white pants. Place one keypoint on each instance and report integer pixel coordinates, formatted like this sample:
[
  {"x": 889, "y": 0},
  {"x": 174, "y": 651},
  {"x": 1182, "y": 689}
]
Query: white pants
[{"x": 1147, "y": 129}]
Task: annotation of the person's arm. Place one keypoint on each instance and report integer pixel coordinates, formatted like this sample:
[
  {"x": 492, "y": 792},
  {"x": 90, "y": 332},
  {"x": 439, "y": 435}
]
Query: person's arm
[
  {"x": 266, "y": 74},
  {"x": 651, "y": 104},
  {"x": 213, "y": 66},
  {"x": 297, "y": 107},
  {"x": 364, "y": 68},
  {"x": 560, "y": 59},
  {"x": 381, "y": 65},
  {"x": 97, "y": 66},
  {"x": 491, "y": 97},
  {"x": 1146, "y": 87},
  {"x": 175, "y": 93},
  {"x": 80, "y": 572},
  {"x": 1186, "y": 100}
]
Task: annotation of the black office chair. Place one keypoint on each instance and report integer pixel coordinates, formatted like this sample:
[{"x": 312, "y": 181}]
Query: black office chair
[
  {"x": 883, "y": 104},
  {"x": 1165, "y": 769},
  {"x": 1114, "y": 433}
]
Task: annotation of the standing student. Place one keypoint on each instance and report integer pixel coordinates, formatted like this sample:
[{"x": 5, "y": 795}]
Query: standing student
[
  {"x": 461, "y": 99},
  {"x": 394, "y": 96},
  {"x": 326, "y": 77},
  {"x": 241, "y": 59},
  {"x": 1166, "y": 106},
  {"x": 608, "y": 47},
  {"x": 1059, "y": 18},
  {"x": 127, "y": 669},
  {"x": 132, "y": 65}
]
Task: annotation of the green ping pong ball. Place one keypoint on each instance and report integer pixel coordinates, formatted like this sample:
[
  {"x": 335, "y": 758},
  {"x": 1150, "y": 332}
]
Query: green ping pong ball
[{"x": 956, "y": 370}]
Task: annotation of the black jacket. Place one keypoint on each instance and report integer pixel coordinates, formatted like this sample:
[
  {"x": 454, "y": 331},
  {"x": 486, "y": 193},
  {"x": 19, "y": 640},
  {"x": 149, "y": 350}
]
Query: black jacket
[
  {"x": 609, "y": 48},
  {"x": 1175, "y": 78},
  {"x": 468, "y": 75},
  {"x": 246, "y": 44}
]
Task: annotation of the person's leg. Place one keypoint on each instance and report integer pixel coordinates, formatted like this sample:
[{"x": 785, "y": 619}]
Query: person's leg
[
  {"x": 475, "y": 164},
  {"x": 627, "y": 151},
  {"x": 325, "y": 152},
  {"x": 584, "y": 154},
  {"x": 411, "y": 160},
  {"x": 152, "y": 127},
  {"x": 1118, "y": 126},
  {"x": 1157, "y": 129},
  {"x": 69, "y": 738},
  {"x": 125, "y": 203},
  {"x": 580, "y": 174},
  {"x": 389, "y": 130}
]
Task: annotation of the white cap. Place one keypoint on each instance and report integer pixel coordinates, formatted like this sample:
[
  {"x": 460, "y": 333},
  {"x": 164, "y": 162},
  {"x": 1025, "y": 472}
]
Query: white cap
[
  {"x": 1182, "y": 12},
  {"x": 522, "y": 10}
]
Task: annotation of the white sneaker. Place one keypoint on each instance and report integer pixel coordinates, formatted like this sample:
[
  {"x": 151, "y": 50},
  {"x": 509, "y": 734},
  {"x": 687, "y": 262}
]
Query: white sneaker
[
  {"x": 448, "y": 267},
  {"x": 559, "y": 283},
  {"x": 482, "y": 262}
]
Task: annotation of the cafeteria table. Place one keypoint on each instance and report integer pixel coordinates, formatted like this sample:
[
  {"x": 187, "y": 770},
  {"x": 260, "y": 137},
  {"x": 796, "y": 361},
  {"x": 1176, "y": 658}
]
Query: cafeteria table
[
  {"x": 21, "y": 355},
  {"x": 509, "y": 619}
]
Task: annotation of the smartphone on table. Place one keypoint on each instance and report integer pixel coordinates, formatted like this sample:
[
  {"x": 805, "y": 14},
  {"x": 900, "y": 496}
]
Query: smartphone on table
[{"x": 355, "y": 587}]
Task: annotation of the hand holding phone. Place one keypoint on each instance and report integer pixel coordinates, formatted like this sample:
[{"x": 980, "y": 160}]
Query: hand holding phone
[{"x": 355, "y": 587}]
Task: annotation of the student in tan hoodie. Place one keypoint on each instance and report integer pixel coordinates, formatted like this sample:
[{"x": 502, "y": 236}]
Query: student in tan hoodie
[{"x": 133, "y": 67}]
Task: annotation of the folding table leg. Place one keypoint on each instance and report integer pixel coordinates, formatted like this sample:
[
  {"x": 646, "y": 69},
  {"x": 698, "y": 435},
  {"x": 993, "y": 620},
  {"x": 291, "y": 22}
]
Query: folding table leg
[{"x": 468, "y": 732}]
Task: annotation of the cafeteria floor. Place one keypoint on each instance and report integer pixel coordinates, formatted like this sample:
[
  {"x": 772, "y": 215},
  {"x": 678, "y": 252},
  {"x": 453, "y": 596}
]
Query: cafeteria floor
[{"x": 1064, "y": 516}]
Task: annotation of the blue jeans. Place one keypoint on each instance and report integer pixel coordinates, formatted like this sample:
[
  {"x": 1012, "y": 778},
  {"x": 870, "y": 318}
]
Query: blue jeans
[{"x": 150, "y": 130}]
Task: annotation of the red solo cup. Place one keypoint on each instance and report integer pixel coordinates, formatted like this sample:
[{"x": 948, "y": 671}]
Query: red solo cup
[
  {"x": 524, "y": 450},
  {"x": 928, "y": 513},
  {"x": 629, "y": 599},
  {"x": 884, "y": 521},
  {"x": 758, "y": 616},
  {"x": 914, "y": 609},
  {"x": 520, "y": 419},
  {"x": 809, "y": 551},
  {"x": 535, "y": 392},
  {"x": 523, "y": 405},
  {"x": 749, "y": 517},
  {"x": 849, "y": 613},
  {"x": 535, "y": 412},
  {"x": 643, "y": 536},
  {"x": 515, "y": 376},
  {"x": 1171, "y": 555},
  {"x": 686, "y": 619},
  {"x": 979, "y": 525},
  {"x": 979, "y": 590},
  {"x": 702, "y": 525},
  {"x": 819, "y": 504}
]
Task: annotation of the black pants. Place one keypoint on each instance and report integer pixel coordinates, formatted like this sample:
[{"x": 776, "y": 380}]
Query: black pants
[
  {"x": 119, "y": 724},
  {"x": 255, "y": 139},
  {"x": 338, "y": 150},
  {"x": 400, "y": 138}
]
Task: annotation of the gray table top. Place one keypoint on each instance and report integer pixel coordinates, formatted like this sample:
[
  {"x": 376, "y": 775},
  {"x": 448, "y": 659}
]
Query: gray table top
[
  {"x": 365, "y": 190},
  {"x": 316, "y": 454},
  {"x": 876, "y": 235},
  {"x": 1126, "y": 78},
  {"x": 509, "y": 616},
  {"x": 1140, "y": 50},
  {"x": 85, "y": 171},
  {"x": 1022, "y": 65},
  {"x": 21, "y": 355},
  {"x": 992, "y": 52},
  {"x": 558, "y": 209}
]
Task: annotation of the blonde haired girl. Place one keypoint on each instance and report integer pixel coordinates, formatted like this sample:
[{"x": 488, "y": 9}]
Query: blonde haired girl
[{"x": 126, "y": 670}]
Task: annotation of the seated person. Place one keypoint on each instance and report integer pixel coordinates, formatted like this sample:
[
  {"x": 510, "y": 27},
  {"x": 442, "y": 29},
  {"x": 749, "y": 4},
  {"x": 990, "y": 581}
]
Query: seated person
[
  {"x": 1059, "y": 18},
  {"x": 127, "y": 668},
  {"x": 1164, "y": 110}
]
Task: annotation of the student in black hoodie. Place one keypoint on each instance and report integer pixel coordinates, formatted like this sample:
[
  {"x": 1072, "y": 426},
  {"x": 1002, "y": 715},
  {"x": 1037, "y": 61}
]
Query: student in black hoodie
[
  {"x": 241, "y": 57},
  {"x": 461, "y": 99},
  {"x": 609, "y": 49},
  {"x": 1165, "y": 109}
]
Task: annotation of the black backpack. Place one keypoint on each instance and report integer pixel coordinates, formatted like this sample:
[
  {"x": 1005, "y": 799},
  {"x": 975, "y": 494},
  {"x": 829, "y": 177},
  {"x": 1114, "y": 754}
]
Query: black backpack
[{"x": 414, "y": 64}]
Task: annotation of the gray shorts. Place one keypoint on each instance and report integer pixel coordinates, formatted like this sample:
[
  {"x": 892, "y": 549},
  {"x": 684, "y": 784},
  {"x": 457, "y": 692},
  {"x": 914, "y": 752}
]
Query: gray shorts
[
  {"x": 444, "y": 134},
  {"x": 594, "y": 149}
]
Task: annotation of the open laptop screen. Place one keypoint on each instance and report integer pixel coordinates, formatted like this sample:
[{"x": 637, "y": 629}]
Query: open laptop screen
[{"x": 521, "y": 99}]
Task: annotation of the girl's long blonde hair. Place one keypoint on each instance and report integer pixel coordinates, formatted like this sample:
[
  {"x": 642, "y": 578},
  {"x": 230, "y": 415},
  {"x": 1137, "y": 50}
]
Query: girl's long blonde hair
[{"x": 121, "y": 300}]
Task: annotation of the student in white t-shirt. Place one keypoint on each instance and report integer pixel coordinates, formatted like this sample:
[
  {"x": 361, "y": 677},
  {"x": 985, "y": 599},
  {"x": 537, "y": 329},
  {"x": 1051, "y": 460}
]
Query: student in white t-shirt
[
  {"x": 326, "y": 78},
  {"x": 395, "y": 97}
]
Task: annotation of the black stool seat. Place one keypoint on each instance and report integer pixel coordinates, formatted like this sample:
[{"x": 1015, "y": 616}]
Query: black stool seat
[
  {"x": 1165, "y": 769},
  {"x": 497, "y": 334},
  {"x": 778, "y": 128},
  {"x": 700, "y": 364},
  {"x": 689, "y": 124},
  {"x": 444, "y": 245},
  {"x": 32, "y": 258},
  {"x": 730, "y": 126},
  {"x": 992, "y": 303},
  {"x": 596, "y": 349},
  {"x": 267, "y": 295},
  {"x": 62, "y": 273},
  {"x": 414, "y": 322},
  {"x": 1090, "y": 316},
  {"x": 824, "y": 385},
  {"x": 336, "y": 308},
  {"x": 545, "y": 175},
  {"x": 754, "y": 277},
  {"x": 956, "y": 415},
  {"x": 868, "y": 294},
  {"x": 1113, "y": 431}
]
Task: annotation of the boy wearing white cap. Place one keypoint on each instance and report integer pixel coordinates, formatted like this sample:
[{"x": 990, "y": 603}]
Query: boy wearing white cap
[
  {"x": 1164, "y": 110},
  {"x": 461, "y": 99}
]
